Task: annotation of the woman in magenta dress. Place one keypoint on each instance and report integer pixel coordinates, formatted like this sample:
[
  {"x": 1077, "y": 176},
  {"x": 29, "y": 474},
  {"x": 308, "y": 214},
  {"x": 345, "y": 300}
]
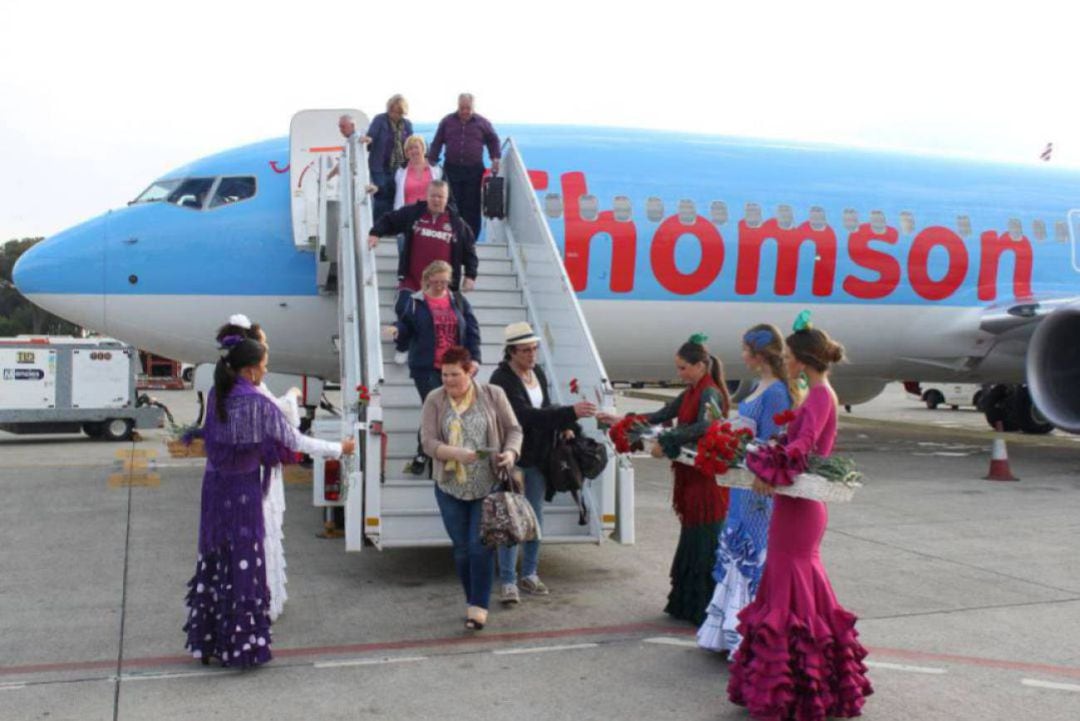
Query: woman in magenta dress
[{"x": 800, "y": 657}]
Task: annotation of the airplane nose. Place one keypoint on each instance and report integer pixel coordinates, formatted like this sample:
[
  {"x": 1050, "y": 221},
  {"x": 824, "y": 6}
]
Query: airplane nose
[{"x": 65, "y": 274}]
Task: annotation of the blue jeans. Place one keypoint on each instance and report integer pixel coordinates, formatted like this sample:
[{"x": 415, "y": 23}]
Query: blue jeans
[
  {"x": 530, "y": 561},
  {"x": 426, "y": 381},
  {"x": 383, "y": 202},
  {"x": 474, "y": 561}
]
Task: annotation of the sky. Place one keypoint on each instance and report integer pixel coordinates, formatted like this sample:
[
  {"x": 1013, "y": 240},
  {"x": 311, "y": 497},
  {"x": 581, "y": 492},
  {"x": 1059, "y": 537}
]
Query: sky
[{"x": 98, "y": 99}]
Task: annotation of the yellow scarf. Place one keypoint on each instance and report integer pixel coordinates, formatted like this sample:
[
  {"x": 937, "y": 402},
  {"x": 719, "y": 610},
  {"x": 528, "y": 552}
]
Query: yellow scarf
[{"x": 457, "y": 432}]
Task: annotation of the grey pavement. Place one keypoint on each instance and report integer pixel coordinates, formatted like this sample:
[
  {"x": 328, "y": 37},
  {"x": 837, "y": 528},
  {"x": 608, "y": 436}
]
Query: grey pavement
[{"x": 968, "y": 593}]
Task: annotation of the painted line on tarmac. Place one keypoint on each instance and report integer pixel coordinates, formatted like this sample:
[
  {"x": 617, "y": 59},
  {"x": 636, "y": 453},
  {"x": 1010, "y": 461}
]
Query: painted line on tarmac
[
  {"x": 543, "y": 649},
  {"x": 369, "y": 661},
  {"x": 666, "y": 641},
  {"x": 179, "y": 674},
  {"x": 1036, "y": 683},
  {"x": 12, "y": 686},
  {"x": 902, "y": 667}
]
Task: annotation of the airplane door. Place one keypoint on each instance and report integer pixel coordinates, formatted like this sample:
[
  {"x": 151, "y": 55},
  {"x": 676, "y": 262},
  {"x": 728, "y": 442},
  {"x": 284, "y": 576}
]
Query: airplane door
[{"x": 313, "y": 135}]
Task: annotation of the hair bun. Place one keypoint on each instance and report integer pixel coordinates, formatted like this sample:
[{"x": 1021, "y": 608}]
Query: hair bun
[{"x": 835, "y": 352}]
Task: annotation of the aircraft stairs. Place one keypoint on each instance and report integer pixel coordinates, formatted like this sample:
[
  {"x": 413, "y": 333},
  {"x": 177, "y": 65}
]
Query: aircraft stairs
[{"x": 520, "y": 277}]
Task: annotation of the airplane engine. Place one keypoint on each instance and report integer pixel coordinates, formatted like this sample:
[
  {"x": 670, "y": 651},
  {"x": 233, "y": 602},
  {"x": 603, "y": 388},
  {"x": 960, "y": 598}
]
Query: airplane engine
[
  {"x": 1053, "y": 368},
  {"x": 853, "y": 391}
]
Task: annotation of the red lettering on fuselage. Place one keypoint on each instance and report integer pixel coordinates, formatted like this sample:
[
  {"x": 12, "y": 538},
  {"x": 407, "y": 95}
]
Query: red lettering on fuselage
[
  {"x": 918, "y": 263},
  {"x": 878, "y": 261},
  {"x": 662, "y": 255},
  {"x": 580, "y": 232},
  {"x": 993, "y": 246},
  {"x": 788, "y": 242}
]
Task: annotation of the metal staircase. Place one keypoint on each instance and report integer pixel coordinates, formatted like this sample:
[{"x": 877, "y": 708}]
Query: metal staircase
[{"x": 520, "y": 277}]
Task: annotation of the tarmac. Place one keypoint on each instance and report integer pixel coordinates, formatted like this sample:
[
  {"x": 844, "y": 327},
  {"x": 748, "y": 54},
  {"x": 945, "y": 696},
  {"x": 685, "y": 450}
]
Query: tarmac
[{"x": 967, "y": 592}]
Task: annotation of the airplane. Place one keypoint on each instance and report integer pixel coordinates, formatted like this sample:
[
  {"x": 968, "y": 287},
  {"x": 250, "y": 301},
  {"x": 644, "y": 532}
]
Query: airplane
[{"x": 927, "y": 268}]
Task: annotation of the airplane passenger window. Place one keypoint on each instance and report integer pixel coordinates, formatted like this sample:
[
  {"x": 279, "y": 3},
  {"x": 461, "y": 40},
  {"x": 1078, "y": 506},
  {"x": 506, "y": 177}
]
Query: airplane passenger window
[
  {"x": 818, "y": 220},
  {"x": 553, "y": 205},
  {"x": 1016, "y": 229},
  {"x": 785, "y": 216},
  {"x": 718, "y": 211},
  {"x": 687, "y": 212},
  {"x": 158, "y": 190},
  {"x": 851, "y": 219},
  {"x": 590, "y": 207},
  {"x": 191, "y": 193},
  {"x": 654, "y": 209},
  {"x": 878, "y": 223},
  {"x": 907, "y": 222},
  {"x": 623, "y": 211},
  {"x": 233, "y": 190},
  {"x": 963, "y": 226},
  {"x": 1061, "y": 231},
  {"x": 752, "y": 215},
  {"x": 1038, "y": 228}
]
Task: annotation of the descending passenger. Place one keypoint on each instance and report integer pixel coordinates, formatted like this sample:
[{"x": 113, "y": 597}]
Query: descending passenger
[
  {"x": 245, "y": 434},
  {"x": 470, "y": 430},
  {"x": 411, "y": 182},
  {"x": 274, "y": 500},
  {"x": 386, "y": 154},
  {"x": 527, "y": 388},
  {"x": 699, "y": 503},
  {"x": 740, "y": 551},
  {"x": 465, "y": 134},
  {"x": 432, "y": 232},
  {"x": 800, "y": 656},
  {"x": 433, "y": 320}
]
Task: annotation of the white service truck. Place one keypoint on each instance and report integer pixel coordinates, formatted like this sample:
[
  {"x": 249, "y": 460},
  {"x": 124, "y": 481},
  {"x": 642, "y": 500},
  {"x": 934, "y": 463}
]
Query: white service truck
[{"x": 62, "y": 384}]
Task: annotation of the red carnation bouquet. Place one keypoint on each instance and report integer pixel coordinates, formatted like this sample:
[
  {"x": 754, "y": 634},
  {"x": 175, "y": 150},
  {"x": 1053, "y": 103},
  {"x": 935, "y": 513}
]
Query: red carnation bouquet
[
  {"x": 721, "y": 448},
  {"x": 629, "y": 434}
]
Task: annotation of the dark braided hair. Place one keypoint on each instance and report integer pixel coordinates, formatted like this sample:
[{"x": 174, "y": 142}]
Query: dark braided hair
[{"x": 242, "y": 353}]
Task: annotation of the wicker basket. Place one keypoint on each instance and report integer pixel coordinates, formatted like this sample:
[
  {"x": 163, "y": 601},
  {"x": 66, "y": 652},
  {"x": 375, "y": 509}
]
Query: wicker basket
[
  {"x": 806, "y": 485},
  {"x": 179, "y": 449}
]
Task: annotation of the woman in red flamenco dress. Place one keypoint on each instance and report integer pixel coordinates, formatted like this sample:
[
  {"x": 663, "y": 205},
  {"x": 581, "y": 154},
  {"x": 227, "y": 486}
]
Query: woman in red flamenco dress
[{"x": 800, "y": 657}]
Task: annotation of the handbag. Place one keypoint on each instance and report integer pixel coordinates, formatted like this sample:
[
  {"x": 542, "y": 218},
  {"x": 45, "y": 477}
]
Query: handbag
[
  {"x": 507, "y": 518},
  {"x": 591, "y": 456},
  {"x": 564, "y": 475}
]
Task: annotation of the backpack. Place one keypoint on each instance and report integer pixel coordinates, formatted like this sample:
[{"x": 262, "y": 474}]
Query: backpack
[
  {"x": 591, "y": 456},
  {"x": 564, "y": 476}
]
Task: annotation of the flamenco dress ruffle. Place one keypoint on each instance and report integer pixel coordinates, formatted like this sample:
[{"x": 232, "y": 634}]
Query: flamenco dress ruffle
[
  {"x": 800, "y": 657},
  {"x": 273, "y": 520},
  {"x": 700, "y": 505}
]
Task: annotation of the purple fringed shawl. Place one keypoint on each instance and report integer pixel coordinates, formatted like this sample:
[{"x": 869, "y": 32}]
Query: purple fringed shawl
[{"x": 240, "y": 455}]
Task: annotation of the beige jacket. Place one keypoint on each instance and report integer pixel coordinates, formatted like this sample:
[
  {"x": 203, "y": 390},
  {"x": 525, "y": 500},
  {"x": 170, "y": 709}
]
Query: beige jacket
[{"x": 504, "y": 432}]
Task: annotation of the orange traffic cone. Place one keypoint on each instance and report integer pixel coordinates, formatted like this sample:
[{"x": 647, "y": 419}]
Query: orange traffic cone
[{"x": 999, "y": 460}]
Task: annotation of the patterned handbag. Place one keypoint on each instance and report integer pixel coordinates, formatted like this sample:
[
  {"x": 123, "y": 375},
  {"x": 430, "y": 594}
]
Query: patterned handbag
[{"x": 507, "y": 517}]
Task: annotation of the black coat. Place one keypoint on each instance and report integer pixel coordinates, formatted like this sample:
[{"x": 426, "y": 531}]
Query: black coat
[
  {"x": 462, "y": 247},
  {"x": 539, "y": 424}
]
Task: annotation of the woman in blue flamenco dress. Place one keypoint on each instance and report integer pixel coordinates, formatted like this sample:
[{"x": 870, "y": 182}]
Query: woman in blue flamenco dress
[
  {"x": 740, "y": 552},
  {"x": 228, "y": 601}
]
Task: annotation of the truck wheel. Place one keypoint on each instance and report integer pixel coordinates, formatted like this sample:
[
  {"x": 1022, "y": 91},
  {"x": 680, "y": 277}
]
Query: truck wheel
[
  {"x": 995, "y": 407},
  {"x": 117, "y": 429},
  {"x": 93, "y": 430},
  {"x": 188, "y": 375},
  {"x": 933, "y": 399},
  {"x": 1027, "y": 417}
]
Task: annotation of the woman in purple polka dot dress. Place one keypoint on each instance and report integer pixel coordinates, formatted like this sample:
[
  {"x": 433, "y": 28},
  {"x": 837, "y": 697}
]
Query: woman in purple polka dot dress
[{"x": 245, "y": 432}]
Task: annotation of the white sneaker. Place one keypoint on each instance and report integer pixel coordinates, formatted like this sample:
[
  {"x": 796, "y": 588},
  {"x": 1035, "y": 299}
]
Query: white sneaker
[
  {"x": 509, "y": 594},
  {"x": 401, "y": 357}
]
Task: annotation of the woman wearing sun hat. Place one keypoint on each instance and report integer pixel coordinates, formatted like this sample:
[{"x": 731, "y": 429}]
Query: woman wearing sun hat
[{"x": 526, "y": 386}]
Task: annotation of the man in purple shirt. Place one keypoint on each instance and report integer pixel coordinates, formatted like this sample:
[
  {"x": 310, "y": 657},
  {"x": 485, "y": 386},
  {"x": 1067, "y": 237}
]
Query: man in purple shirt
[{"x": 465, "y": 134}]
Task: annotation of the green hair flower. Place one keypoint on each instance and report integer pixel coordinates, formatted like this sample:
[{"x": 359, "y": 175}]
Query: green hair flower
[
  {"x": 699, "y": 338},
  {"x": 802, "y": 322}
]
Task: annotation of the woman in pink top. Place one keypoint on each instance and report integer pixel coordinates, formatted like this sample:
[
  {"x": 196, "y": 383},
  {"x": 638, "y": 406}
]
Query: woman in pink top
[
  {"x": 800, "y": 657},
  {"x": 412, "y": 181}
]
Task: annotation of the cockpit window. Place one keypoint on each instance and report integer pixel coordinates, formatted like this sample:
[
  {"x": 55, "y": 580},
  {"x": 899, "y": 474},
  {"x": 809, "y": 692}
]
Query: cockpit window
[
  {"x": 158, "y": 190},
  {"x": 233, "y": 190},
  {"x": 191, "y": 193}
]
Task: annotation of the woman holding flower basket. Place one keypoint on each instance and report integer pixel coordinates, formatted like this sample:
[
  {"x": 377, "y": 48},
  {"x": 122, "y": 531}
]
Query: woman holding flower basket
[
  {"x": 740, "y": 551},
  {"x": 699, "y": 503},
  {"x": 800, "y": 657}
]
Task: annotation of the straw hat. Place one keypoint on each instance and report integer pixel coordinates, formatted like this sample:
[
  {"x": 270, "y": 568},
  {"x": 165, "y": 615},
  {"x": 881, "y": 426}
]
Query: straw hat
[{"x": 519, "y": 333}]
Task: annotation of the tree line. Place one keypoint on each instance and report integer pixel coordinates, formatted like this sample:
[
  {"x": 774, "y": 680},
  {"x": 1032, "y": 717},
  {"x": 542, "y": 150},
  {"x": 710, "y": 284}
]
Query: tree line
[{"x": 18, "y": 316}]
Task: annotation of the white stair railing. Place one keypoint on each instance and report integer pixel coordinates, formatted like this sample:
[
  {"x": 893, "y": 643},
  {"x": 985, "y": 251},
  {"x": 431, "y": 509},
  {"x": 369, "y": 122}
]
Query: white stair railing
[{"x": 568, "y": 350}]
